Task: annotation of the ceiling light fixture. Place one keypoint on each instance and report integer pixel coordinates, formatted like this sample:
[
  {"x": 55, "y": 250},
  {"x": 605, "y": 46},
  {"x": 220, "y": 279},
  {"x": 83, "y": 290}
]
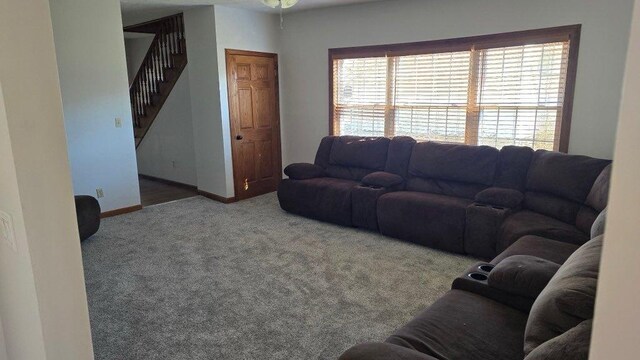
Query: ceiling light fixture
[{"x": 283, "y": 4}]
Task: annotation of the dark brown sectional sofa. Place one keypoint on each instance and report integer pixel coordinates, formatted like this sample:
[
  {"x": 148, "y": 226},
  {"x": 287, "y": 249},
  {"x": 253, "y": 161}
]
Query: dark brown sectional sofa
[
  {"x": 535, "y": 301},
  {"x": 538, "y": 214},
  {"x": 474, "y": 200}
]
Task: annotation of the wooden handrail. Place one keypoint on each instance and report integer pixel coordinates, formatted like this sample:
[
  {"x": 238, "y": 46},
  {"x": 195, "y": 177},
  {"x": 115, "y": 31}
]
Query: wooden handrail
[
  {"x": 168, "y": 42},
  {"x": 146, "y": 56}
]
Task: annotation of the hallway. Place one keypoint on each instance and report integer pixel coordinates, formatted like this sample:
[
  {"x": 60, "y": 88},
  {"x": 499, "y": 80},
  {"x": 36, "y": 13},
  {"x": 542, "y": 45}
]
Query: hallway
[{"x": 155, "y": 191}]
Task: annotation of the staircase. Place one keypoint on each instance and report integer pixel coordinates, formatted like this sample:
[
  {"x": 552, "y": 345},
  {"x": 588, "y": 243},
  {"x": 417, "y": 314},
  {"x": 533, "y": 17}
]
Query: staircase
[{"x": 160, "y": 70}]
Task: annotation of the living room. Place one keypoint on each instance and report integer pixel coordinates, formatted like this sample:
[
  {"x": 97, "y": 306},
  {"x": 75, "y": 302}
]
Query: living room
[{"x": 407, "y": 179}]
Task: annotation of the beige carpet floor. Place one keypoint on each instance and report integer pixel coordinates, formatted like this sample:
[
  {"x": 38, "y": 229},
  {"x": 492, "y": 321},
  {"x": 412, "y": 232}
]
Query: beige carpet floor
[{"x": 196, "y": 279}]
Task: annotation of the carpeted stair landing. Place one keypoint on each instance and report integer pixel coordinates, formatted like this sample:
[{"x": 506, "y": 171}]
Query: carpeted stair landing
[{"x": 196, "y": 279}]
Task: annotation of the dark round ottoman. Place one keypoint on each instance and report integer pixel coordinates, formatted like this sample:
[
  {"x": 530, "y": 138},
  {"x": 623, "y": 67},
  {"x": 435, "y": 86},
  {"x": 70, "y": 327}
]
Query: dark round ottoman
[{"x": 88, "y": 214}]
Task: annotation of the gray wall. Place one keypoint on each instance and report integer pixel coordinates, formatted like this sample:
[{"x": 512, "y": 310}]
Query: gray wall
[
  {"x": 93, "y": 80},
  {"x": 240, "y": 29},
  {"x": 617, "y": 320},
  {"x": 43, "y": 301},
  {"x": 309, "y": 34}
]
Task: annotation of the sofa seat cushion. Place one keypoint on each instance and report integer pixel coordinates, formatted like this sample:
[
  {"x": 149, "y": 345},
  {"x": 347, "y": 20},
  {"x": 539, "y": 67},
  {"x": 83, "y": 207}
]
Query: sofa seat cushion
[
  {"x": 463, "y": 325},
  {"x": 428, "y": 219},
  {"x": 382, "y": 179},
  {"x": 326, "y": 199},
  {"x": 531, "y": 223},
  {"x": 383, "y": 351},
  {"x": 532, "y": 245}
]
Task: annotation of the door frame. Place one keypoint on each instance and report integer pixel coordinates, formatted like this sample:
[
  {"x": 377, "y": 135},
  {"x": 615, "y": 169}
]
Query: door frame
[{"x": 230, "y": 77}]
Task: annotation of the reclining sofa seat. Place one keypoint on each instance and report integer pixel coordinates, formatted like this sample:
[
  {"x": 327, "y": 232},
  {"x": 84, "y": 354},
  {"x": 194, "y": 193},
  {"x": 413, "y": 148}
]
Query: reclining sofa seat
[
  {"x": 460, "y": 198},
  {"x": 443, "y": 181},
  {"x": 467, "y": 325},
  {"x": 323, "y": 191},
  {"x": 563, "y": 195}
]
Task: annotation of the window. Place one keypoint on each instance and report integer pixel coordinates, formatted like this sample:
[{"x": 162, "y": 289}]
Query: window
[{"x": 497, "y": 90}]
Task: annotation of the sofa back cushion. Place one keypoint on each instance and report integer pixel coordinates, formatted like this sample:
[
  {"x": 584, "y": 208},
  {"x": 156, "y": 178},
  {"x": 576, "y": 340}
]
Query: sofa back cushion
[
  {"x": 572, "y": 345},
  {"x": 324, "y": 151},
  {"x": 400, "y": 149},
  {"x": 450, "y": 169},
  {"x": 558, "y": 184},
  {"x": 353, "y": 157},
  {"x": 596, "y": 201},
  {"x": 568, "y": 299},
  {"x": 513, "y": 165}
]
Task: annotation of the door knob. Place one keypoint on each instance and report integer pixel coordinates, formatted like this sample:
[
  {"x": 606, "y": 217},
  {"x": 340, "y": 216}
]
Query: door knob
[{"x": 239, "y": 137}]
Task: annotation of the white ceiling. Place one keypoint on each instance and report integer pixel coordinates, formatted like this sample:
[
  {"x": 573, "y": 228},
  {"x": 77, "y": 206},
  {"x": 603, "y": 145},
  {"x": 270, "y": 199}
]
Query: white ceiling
[{"x": 134, "y": 11}]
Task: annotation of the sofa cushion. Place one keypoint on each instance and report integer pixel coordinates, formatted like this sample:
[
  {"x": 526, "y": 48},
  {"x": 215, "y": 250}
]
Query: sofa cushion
[
  {"x": 463, "y": 325},
  {"x": 433, "y": 220},
  {"x": 302, "y": 171},
  {"x": 572, "y": 345},
  {"x": 383, "y": 351},
  {"x": 444, "y": 187},
  {"x": 522, "y": 275},
  {"x": 599, "y": 193},
  {"x": 507, "y": 198},
  {"x": 326, "y": 199},
  {"x": 398, "y": 156},
  {"x": 347, "y": 172},
  {"x": 463, "y": 163},
  {"x": 598, "y": 226},
  {"x": 382, "y": 179},
  {"x": 566, "y": 176},
  {"x": 360, "y": 152},
  {"x": 551, "y": 205},
  {"x": 527, "y": 222},
  {"x": 541, "y": 247},
  {"x": 324, "y": 150},
  {"x": 596, "y": 201},
  {"x": 568, "y": 299},
  {"x": 513, "y": 165}
]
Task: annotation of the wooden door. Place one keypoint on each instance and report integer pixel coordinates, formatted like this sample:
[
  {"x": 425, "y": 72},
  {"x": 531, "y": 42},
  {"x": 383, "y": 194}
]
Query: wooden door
[{"x": 252, "y": 82}]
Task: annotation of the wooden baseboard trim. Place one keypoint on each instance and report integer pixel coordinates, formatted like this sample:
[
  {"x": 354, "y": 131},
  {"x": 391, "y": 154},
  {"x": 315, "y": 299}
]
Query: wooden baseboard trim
[
  {"x": 168, "y": 182},
  {"x": 121, "y": 211},
  {"x": 217, "y": 197}
]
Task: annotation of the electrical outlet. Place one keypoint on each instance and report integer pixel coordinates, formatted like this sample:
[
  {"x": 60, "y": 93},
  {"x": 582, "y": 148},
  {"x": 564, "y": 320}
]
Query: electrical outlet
[
  {"x": 6, "y": 231},
  {"x": 118, "y": 122},
  {"x": 99, "y": 193}
]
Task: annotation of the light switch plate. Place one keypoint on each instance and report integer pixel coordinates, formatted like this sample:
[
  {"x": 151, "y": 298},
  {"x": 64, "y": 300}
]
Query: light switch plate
[
  {"x": 7, "y": 235},
  {"x": 118, "y": 122}
]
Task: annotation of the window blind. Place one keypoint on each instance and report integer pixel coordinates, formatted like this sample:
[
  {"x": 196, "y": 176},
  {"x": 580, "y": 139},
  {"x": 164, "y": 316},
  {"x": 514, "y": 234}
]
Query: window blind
[
  {"x": 521, "y": 93},
  {"x": 485, "y": 95}
]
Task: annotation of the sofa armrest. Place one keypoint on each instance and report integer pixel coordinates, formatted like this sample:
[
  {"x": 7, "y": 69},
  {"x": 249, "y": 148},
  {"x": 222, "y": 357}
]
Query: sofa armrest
[
  {"x": 383, "y": 351},
  {"x": 506, "y": 198},
  {"x": 303, "y": 171},
  {"x": 475, "y": 280},
  {"x": 522, "y": 275},
  {"x": 482, "y": 228},
  {"x": 382, "y": 179}
]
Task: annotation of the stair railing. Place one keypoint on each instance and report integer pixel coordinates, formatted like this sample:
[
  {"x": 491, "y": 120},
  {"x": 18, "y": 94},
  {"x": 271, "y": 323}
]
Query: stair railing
[{"x": 167, "y": 42}]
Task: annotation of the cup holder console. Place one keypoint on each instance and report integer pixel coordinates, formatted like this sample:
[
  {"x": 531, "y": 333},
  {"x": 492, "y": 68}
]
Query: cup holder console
[
  {"x": 486, "y": 268},
  {"x": 478, "y": 276},
  {"x": 480, "y": 272},
  {"x": 476, "y": 280}
]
